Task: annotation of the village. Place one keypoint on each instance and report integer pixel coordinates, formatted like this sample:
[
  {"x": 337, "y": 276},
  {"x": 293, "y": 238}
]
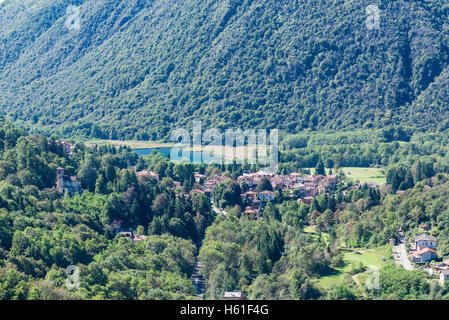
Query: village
[
  {"x": 421, "y": 253},
  {"x": 297, "y": 187},
  {"x": 303, "y": 188},
  {"x": 300, "y": 188}
]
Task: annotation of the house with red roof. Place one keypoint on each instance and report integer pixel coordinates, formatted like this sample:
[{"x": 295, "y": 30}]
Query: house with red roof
[
  {"x": 199, "y": 177},
  {"x": 424, "y": 255},
  {"x": 197, "y": 191},
  {"x": 306, "y": 200},
  {"x": 250, "y": 213},
  {"x": 176, "y": 185},
  {"x": 249, "y": 195}
]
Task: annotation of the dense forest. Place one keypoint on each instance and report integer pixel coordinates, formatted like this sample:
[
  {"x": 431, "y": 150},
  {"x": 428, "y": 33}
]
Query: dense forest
[
  {"x": 42, "y": 232},
  {"x": 138, "y": 68}
]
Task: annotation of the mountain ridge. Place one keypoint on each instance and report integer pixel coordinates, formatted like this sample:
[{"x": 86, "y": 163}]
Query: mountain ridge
[{"x": 136, "y": 69}]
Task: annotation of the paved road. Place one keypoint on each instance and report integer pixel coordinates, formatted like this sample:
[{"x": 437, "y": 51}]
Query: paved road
[
  {"x": 402, "y": 252},
  {"x": 405, "y": 262}
]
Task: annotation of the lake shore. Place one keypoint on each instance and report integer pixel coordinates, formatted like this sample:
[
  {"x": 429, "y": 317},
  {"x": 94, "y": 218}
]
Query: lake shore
[
  {"x": 133, "y": 144},
  {"x": 136, "y": 144}
]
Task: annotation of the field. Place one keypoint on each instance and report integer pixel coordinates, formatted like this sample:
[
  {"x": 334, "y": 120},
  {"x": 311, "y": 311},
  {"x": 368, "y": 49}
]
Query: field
[
  {"x": 376, "y": 175},
  {"x": 369, "y": 258}
]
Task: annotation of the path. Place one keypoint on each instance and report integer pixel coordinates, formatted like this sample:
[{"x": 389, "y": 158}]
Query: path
[
  {"x": 402, "y": 254},
  {"x": 198, "y": 280}
]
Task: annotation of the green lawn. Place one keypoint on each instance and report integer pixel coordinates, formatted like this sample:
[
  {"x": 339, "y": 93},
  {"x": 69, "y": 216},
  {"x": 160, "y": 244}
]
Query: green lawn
[
  {"x": 369, "y": 258},
  {"x": 376, "y": 175}
]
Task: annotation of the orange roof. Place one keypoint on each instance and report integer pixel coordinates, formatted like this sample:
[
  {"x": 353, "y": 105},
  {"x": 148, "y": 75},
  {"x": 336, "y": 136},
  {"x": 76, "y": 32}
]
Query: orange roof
[
  {"x": 176, "y": 184},
  {"x": 424, "y": 250},
  {"x": 266, "y": 192}
]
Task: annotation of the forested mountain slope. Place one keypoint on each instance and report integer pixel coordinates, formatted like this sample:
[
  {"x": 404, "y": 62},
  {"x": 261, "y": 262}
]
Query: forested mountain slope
[{"x": 136, "y": 68}]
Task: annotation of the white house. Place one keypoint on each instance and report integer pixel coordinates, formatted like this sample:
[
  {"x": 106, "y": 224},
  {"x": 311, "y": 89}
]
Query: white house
[
  {"x": 425, "y": 241},
  {"x": 266, "y": 195}
]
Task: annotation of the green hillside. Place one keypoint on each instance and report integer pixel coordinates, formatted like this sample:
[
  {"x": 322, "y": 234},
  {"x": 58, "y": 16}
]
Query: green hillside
[{"x": 138, "y": 68}]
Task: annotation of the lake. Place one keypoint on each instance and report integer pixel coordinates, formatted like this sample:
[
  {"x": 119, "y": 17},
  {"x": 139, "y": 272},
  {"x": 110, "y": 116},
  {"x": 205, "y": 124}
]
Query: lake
[
  {"x": 200, "y": 156},
  {"x": 195, "y": 156}
]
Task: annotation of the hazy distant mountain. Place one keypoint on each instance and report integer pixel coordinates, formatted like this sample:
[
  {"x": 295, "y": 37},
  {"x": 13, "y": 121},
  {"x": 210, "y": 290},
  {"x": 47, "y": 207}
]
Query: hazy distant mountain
[{"x": 137, "y": 68}]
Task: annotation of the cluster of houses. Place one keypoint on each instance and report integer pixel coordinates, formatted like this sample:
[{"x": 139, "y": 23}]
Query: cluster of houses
[
  {"x": 423, "y": 250},
  {"x": 303, "y": 188}
]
